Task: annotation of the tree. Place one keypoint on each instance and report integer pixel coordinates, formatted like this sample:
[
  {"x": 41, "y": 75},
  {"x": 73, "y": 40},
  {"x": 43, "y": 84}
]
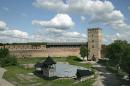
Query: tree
[
  {"x": 6, "y": 59},
  {"x": 4, "y": 53},
  {"x": 84, "y": 52},
  {"x": 115, "y": 52},
  {"x": 125, "y": 65},
  {"x": 119, "y": 55}
]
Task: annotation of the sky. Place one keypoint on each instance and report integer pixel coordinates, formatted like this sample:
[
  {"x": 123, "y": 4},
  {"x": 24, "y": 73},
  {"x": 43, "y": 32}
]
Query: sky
[{"x": 63, "y": 20}]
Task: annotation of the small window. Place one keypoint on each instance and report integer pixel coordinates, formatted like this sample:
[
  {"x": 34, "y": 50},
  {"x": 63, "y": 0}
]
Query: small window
[{"x": 92, "y": 46}]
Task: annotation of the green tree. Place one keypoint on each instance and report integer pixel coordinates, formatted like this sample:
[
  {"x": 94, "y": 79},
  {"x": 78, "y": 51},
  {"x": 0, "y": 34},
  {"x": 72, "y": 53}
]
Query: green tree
[
  {"x": 119, "y": 55},
  {"x": 6, "y": 59},
  {"x": 115, "y": 52},
  {"x": 4, "y": 53},
  {"x": 84, "y": 52},
  {"x": 125, "y": 64}
]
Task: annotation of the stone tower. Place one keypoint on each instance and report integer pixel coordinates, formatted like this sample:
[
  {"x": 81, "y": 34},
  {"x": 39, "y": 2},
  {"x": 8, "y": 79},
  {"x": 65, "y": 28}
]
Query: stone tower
[{"x": 94, "y": 43}]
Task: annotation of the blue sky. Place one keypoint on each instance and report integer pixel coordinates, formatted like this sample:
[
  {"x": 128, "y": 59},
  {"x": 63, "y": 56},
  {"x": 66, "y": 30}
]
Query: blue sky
[{"x": 63, "y": 20}]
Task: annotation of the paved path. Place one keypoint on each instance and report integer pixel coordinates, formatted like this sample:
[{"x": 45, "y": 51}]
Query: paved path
[
  {"x": 105, "y": 78},
  {"x": 3, "y": 82}
]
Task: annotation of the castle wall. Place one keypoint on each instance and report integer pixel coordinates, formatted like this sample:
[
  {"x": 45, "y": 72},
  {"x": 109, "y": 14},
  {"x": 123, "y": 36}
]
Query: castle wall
[{"x": 54, "y": 52}]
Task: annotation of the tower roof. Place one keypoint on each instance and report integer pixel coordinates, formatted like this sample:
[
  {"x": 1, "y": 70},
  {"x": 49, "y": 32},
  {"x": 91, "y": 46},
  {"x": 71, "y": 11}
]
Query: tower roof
[{"x": 49, "y": 61}]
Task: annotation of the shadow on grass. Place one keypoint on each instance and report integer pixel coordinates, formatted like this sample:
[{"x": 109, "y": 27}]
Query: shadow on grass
[
  {"x": 40, "y": 75},
  {"x": 77, "y": 59}
]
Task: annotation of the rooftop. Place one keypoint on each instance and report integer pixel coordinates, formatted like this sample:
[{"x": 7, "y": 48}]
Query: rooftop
[{"x": 49, "y": 61}]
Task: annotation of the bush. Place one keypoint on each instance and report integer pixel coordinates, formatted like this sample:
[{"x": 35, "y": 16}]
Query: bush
[{"x": 6, "y": 59}]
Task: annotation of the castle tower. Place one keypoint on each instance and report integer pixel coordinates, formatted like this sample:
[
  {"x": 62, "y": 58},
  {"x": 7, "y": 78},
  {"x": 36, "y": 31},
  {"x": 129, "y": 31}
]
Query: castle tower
[{"x": 94, "y": 43}]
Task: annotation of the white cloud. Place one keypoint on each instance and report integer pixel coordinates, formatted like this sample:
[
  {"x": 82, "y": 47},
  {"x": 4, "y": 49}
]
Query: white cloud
[
  {"x": 54, "y": 30},
  {"x": 72, "y": 34},
  {"x": 8, "y": 34},
  {"x": 58, "y": 29},
  {"x": 15, "y": 34},
  {"x": 50, "y": 4},
  {"x": 101, "y": 11},
  {"x": 84, "y": 6},
  {"x": 82, "y": 18},
  {"x": 60, "y": 21},
  {"x": 98, "y": 10},
  {"x": 56, "y": 35},
  {"x": 2, "y": 25},
  {"x": 5, "y": 8},
  {"x": 129, "y": 7},
  {"x": 24, "y": 15}
]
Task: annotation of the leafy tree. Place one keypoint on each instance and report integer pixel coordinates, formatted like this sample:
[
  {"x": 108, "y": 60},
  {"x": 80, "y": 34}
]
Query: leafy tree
[
  {"x": 4, "y": 53},
  {"x": 115, "y": 52},
  {"x": 6, "y": 59},
  {"x": 119, "y": 55},
  {"x": 84, "y": 52},
  {"x": 125, "y": 64}
]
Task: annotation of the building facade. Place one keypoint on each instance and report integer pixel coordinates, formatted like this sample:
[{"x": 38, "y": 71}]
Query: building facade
[{"x": 94, "y": 43}]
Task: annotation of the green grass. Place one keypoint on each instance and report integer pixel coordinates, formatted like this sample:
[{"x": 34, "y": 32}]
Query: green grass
[
  {"x": 30, "y": 60},
  {"x": 76, "y": 61},
  {"x": 37, "y": 59},
  {"x": 13, "y": 71}
]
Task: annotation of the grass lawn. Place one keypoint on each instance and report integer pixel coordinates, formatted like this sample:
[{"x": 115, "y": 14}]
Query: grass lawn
[
  {"x": 22, "y": 77},
  {"x": 37, "y": 59}
]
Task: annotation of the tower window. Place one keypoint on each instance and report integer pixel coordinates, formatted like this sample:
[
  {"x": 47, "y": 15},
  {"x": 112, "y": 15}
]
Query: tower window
[{"x": 92, "y": 46}]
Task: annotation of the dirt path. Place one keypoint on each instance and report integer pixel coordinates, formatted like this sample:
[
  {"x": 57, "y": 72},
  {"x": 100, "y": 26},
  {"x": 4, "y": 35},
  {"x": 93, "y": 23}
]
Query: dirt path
[
  {"x": 105, "y": 78},
  {"x": 3, "y": 82}
]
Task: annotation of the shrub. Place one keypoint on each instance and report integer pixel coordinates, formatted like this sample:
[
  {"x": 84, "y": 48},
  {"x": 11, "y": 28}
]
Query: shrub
[{"x": 6, "y": 59}]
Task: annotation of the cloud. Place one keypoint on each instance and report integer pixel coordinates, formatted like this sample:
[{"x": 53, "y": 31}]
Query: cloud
[
  {"x": 8, "y": 34},
  {"x": 57, "y": 35},
  {"x": 2, "y": 25},
  {"x": 60, "y": 21},
  {"x": 5, "y": 8},
  {"x": 93, "y": 8},
  {"x": 58, "y": 29},
  {"x": 68, "y": 36},
  {"x": 72, "y": 34},
  {"x": 99, "y": 11},
  {"x": 24, "y": 14},
  {"x": 82, "y": 18},
  {"x": 129, "y": 7},
  {"x": 84, "y": 6},
  {"x": 50, "y": 4},
  {"x": 15, "y": 33}
]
